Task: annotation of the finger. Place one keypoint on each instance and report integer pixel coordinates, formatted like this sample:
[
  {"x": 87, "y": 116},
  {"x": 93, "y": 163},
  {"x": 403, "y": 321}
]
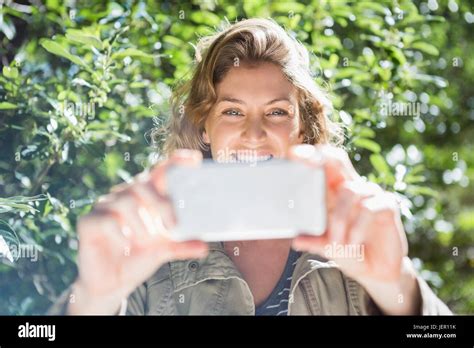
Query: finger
[
  {"x": 338, "y": 167},
  {"x": 154, "y": 213},
  {"x": 346, "y": 207},
  {"x": 384, "y": 210},
  {"x": 126, "y": 185},
  {"x": 179, "y": 157},
  {"x": 171, "y": 250},
  {"x": 193, "y": 246},
  {"x": 98, "y": 223},
  {"x": 101, "y": 229},
  {"x": 158, "y": 207},
  {"x": 129, "y": 207},
  {"x": 306, "y": 153},
  {"x": 311, "y": 244},
  {"x": 164, "y": 206},
  {"x": 120, "y": 187},
  {"x": 105, "y": 209}
]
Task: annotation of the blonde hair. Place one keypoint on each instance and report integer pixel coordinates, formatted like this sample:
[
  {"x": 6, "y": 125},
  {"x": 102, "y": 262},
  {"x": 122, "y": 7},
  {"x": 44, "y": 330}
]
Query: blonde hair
[{"x": 251, "y": 41}]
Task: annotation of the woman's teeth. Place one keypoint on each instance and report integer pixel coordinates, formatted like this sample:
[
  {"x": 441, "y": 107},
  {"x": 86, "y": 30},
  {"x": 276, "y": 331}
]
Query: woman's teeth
[{"x": 253, "y": 159}]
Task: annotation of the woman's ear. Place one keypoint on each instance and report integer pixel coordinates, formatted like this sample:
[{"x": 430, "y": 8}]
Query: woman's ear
[
  {"x": 205, "y": 137},
  {"x": 301, "y": 135}
]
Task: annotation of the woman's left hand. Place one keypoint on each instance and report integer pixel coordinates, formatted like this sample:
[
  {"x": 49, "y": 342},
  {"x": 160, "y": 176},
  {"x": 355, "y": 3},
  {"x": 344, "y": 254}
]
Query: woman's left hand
[{"x": 364, "y": 233}]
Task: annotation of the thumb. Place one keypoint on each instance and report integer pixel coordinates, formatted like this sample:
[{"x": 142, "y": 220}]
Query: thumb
[{"x": 311, "y": 244}]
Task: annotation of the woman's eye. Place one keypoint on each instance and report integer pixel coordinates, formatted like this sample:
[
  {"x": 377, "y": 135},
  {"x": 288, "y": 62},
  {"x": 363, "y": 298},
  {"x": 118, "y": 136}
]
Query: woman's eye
[
  {"x": 278, "y": 112},
  {"x": 232, "y": 113}
]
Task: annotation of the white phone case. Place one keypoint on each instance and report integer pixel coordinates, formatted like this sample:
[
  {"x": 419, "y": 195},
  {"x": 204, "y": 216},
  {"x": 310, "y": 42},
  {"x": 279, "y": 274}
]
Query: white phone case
[{"x": 241, "y": 201}]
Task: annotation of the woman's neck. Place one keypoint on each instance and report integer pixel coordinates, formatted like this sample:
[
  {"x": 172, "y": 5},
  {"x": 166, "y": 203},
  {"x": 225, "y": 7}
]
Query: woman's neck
[
  {"x": 264, "y": 247},
  {"x": 261, "y": 263}
]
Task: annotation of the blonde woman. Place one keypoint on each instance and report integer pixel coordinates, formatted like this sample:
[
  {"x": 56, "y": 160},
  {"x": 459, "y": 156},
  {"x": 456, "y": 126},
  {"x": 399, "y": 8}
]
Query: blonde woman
[{"x": 251, "y": 91}]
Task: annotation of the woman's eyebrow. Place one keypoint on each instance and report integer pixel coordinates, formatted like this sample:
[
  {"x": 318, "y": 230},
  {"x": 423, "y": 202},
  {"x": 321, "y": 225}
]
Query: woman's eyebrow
[{"x": 239, "y": 101}]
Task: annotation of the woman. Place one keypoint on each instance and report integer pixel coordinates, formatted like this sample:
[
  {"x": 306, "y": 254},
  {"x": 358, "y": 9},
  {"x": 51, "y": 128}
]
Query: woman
[{"x": 251, "y": 91}]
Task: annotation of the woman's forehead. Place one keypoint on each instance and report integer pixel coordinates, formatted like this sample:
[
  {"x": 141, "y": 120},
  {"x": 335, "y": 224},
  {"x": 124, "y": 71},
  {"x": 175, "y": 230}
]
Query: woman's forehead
[{"x": 264, "y": 82}]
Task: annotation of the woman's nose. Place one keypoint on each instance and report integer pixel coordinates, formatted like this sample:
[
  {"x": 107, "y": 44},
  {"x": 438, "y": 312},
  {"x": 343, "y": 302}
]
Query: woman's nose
[{"x": 254, "y": 131}]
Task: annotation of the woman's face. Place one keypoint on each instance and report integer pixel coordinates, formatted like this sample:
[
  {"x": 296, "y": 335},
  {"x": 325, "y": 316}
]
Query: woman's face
[{"x": 256, "y": 114}]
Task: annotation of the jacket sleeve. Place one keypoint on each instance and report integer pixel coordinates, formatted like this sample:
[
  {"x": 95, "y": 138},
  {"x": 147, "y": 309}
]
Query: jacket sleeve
[
  {"x": 133, "y": 305},
  {"x": 136, "y": 302},
  {"x": 430, "y": 303}
]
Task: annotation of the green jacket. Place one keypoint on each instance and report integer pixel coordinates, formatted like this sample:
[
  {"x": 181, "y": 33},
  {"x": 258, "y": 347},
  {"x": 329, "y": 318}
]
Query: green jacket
[{"x": 214, "y": 286}]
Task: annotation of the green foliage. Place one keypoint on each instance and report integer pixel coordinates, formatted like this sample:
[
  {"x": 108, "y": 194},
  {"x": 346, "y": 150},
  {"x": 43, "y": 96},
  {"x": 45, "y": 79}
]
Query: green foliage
[{"x": 82, "y": 84}]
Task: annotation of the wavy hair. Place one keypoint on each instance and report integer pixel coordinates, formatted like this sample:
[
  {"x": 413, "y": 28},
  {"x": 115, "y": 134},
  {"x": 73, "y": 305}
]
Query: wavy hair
[{"x": 251, "y": 41}]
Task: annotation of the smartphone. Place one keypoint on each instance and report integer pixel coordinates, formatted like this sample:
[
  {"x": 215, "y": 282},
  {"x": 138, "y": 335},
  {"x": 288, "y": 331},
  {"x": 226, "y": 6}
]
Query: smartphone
[{"x": 274, "y": 199}]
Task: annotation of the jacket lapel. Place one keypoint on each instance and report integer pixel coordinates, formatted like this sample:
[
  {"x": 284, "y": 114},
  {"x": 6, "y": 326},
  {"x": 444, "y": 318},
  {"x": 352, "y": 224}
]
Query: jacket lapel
[{"x": 230, "y": 295}]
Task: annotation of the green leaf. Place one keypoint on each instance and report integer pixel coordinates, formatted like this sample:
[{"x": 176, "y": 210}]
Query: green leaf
[
  {"x": 425, "y": 47},
  {"x": 62, "y": 95},
  {"x": 205, "y": 17},
  {"x": 431, "y": 18},
  {"x": 7, "y": 27},
  {"x": 7, "y": 106},
  {"x": 398, "y": 55},
  {"x": 378, "y": 162},
  {"x": 131, "y": 52},
  {"x": 326, "y": 43},
  {"x": 363, "y": 6},
  {"x": 112, "y": 163},
  {"x": 7, "y": 232},
  {"x": 365, "y": 132},
  {"x": 174, "y": 41},
  {"x": 8, "y": 240},
  {"x": 19, "y": 203},
  {"x": 385, "y": 74},
  {"x": 414, "y": 179},
  {"x": 287, "y": 7},
  {"x": 369, "y": 57},
  {"x": 465, "y": 220},
  {"x": 10, "y": 72},
  {"x": 47, "y": 208},
  {"x": 346, "y": 73},
  {"x": 367, "y": 144},
  {"x": 421, "y": 190},
  {"x": 55, "y": 48},
  {"x": 83, "y": 37}
]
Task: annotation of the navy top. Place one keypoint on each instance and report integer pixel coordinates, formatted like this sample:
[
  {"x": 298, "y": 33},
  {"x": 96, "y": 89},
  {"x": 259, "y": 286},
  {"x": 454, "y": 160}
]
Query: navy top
[{"x": 277, "y": 302}]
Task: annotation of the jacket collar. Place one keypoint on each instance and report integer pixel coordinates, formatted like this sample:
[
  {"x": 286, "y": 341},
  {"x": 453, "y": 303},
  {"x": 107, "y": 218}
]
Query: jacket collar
[{"x": 218, "y": 265}]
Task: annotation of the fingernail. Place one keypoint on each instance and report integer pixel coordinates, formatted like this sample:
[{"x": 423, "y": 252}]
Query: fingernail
[
  {"x": 182, "y": 153},
  {"x": 304, "y": 151},
  {"x": 187, "y": 154}
]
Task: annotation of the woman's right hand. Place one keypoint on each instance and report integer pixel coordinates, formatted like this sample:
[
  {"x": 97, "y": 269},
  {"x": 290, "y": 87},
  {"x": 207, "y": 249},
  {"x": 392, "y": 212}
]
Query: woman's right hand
[{"x": 125, "y": 239}]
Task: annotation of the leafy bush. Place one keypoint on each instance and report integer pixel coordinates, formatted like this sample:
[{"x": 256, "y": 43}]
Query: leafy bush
[{"x": 83, "y": 84}]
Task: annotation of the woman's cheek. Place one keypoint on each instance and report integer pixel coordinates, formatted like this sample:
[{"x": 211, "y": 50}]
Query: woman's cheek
[
  {"x": 222, "y": 136},
  {"x": 289, "y": 134}
]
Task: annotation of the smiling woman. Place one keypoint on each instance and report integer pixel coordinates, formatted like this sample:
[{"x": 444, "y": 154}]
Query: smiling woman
[
  {"x": 250, "y": 68},
  {"x": 256, "y": 110},
  {"x": 251, "y": 91}
]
